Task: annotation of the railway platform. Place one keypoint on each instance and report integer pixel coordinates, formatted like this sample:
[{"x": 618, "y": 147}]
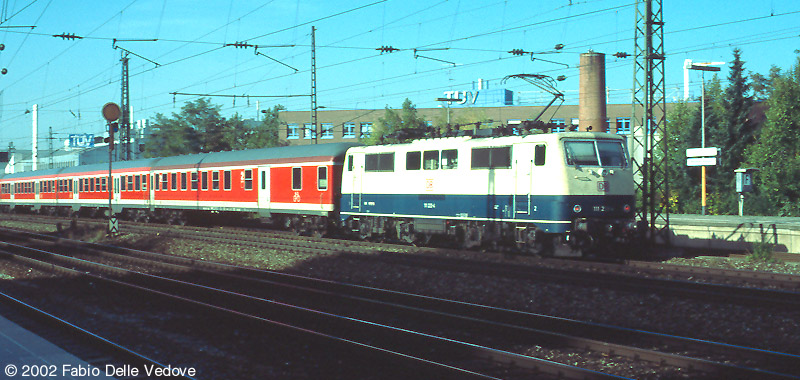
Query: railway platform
[
  {"x": 734, "y": 233},
  {"x": 24, "y": 354}
]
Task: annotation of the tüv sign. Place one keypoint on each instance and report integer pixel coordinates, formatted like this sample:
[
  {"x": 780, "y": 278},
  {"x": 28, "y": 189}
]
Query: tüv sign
[{"x": 85, "y": 140}]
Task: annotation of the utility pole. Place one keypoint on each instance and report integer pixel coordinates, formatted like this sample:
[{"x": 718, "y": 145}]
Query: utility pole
[
  {"x": 314, "y": 86},
  {"x": 50, "y": 146},
  {"x": 649, "y": 98},
  {"x": 125, "y": 107},
  {"x": 35, "y": 146}
]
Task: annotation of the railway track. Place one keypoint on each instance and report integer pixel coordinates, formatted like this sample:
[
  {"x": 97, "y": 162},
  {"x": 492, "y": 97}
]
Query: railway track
[
  {"x": 515, "y": 328},
  {"x": 95, "y": 350}
]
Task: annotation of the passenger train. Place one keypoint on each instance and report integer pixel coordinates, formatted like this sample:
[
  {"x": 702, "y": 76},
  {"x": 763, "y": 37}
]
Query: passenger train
[{"x": 564, "y": 194}]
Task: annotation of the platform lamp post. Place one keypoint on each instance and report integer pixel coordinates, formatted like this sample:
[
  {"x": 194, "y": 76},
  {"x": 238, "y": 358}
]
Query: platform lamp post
[
  {"x": 703, "y": 67},
  {"x": 111, "y": 112}
]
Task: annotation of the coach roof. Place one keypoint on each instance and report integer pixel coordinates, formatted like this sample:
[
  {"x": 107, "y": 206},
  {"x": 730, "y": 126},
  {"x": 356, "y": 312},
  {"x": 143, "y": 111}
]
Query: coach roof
[{"x": 332, "y": 151}]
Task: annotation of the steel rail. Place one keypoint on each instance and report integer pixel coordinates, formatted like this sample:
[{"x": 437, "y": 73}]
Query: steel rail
[
  {"x": 491, "y": 319},
  {"x": 213, "y": 298}
]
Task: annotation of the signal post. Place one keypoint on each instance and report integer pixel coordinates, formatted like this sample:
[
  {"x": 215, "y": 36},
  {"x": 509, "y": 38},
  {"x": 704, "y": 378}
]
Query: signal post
[{"x": 111, "y": 112}]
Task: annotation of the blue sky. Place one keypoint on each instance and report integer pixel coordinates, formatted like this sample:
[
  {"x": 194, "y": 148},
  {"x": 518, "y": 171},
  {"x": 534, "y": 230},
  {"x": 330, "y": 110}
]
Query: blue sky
[{"x": 457, "y": 42}]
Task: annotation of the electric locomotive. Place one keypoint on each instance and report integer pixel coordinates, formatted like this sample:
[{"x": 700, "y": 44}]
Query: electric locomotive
[{"x": 563, "y": 194}]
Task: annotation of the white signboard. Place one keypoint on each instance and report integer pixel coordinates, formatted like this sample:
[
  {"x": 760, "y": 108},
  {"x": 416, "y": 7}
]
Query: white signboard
[
  {"x": 701, "y": 161},
  {"x": 702, "y": 152}
]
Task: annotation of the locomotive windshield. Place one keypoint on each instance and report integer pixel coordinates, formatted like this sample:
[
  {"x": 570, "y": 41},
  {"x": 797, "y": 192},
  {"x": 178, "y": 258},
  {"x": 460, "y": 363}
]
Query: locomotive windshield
[{"x": 595, "y": 153}]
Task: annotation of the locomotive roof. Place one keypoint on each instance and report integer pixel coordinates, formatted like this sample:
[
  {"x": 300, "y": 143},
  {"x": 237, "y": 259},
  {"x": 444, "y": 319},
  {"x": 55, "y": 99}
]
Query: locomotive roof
[{"x": 489, "y": 141}]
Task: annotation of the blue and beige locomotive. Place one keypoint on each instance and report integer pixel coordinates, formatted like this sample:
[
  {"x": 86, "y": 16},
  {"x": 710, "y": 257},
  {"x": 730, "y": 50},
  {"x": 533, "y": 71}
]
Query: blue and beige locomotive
[{"x": 564, "y": 194}]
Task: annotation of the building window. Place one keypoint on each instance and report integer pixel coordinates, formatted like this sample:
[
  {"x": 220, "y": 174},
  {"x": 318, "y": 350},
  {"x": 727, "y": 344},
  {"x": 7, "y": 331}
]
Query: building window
[
  {"x": 349, "y": 131},
  {"x": 327, "y": 131},
  {"x": 292, "y": 131},
  {"x": 623, "y": 125},
  {"x": 559, "y": 125},
  {"x": 309, "y": 131},
  {"x": 322, "y": 178},
  {"x": 227, "y": 180},
  {"x": 297, "y": 178},
  {"x": 366, "y": 129},
  {"x": 248, "y": 179},
  {"x": 215, "y": 180}
]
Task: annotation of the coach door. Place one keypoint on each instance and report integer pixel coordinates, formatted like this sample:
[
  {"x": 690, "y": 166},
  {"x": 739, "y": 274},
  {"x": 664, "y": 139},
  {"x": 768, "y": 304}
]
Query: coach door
[
  {"x": 263, "y": 190},
  {"x": 523, "y": 163}
]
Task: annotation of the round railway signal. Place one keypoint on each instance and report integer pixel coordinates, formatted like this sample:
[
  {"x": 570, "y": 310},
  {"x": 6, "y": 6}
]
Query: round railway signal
[{"x": 111, "y": 111}]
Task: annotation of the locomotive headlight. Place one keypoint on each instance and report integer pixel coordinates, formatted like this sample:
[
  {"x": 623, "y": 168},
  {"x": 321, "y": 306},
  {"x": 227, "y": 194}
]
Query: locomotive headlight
[{"x": 577, "y": 208}]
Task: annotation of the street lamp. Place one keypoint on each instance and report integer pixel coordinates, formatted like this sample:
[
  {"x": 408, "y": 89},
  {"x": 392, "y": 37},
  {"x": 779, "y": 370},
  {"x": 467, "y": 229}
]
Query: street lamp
[
  {"x": 703, "y": 67},
  {"x": 449, "y": 100}
]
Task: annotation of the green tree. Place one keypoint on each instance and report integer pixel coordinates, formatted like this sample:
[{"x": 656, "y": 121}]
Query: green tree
[
  {"x": 266, "y": 133},
  {"x": 683, "y": 131},
  {"x": 729, "y": 128},
  {"x": 391, "y": 128},
  {"x": 777, "y": 151},
  {"x": 199, "y": 127}
]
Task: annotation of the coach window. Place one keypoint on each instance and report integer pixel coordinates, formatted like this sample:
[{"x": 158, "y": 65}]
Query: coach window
[
  {"x": 204, "y": 180},
  {"x": 91, "y": 184},
  {"x": 450, "y": 159},
  {"x": 539, "y": 154},
  {"x": 103, "y": 184},
  {"x": 137, "y": 183},
  {"x": 297, "y": 178},
  {"x": 164, "y": 181},
  {"x": 350, "y": 163},
  {"x": 322, "y": 178},
  {"x": 174, "y": 179},
  {"x": 215, "y": 180},
  {"x": 130, "y": 183},
  {"x": 491, "y": 158},
  {"x": 144, "y": 182},
  {"x": 183, "y": 181},
  {"x": 194, "y": 180},
  {"x": 263, "y": 180},
  {"x": 123, "y": 184},
  {"x": 227, "y": 179},
  {"x": 413, "y": 160},
  {"x": 430, "y": 160},
  {"x": 248, "y": 179}
]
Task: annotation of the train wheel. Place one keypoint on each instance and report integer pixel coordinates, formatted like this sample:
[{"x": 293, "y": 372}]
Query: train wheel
[
  {"x": 535, "y": 242},
  {"x": 472, "y": 236},
  {"x": 364, "y": 229}
]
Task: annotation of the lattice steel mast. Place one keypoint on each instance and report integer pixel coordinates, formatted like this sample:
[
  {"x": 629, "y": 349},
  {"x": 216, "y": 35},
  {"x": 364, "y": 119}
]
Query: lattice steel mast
[{"x": 649, "y": 112}]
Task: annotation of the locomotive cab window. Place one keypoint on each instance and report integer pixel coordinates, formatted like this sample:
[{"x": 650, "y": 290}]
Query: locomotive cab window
[
  {"x": 539, "y": 154},
  {"x": 322, "y": 178},
  {"x": 491, "y": 158},
  {"x": 297, "y": 178},
  {"x": 413, "y": 160},
  {"x": 595, "y": 153}
]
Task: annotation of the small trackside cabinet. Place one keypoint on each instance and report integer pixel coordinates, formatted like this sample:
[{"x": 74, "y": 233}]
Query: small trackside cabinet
[{"x": 744, "y": 180}]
